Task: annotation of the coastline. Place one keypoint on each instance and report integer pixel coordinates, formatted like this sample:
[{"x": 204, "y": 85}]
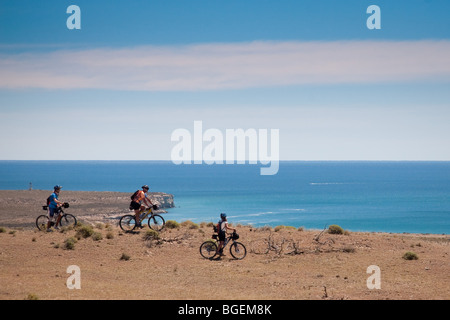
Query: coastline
[
  {"x": 363, "y": 196},
  {"x": 20, "y": 208}
]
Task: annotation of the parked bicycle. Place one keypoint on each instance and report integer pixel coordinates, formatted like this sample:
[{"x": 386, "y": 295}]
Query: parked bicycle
[
  {"x": 208, "y": 249},
  {"x": 155, "y": 222},
  {"x": 66, "y": 220}
]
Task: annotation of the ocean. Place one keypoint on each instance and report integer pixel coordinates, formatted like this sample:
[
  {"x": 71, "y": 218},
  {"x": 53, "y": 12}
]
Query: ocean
[{"x": 357, "y": 195}]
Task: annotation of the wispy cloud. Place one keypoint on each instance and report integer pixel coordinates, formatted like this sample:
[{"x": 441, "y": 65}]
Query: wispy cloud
[{"x": 228, "y": 65}]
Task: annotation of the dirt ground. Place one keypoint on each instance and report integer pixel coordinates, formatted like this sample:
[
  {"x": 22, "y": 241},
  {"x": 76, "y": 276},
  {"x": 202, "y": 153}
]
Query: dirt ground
[
  {"x": 35, "y": 264},
  {"x": 301, "y": 264}
]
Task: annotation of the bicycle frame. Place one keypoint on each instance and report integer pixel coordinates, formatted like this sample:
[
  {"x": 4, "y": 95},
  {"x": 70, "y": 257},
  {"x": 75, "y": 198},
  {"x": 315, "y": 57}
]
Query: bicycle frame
[
  {"x": 227, "y": 240},
  {"x": 154, "y": 220},
  {"x": 146, "y": 213}
]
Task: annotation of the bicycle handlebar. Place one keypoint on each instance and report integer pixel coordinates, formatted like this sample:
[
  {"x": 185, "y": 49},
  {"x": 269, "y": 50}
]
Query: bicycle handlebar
[{"x": 64, "y": 205}]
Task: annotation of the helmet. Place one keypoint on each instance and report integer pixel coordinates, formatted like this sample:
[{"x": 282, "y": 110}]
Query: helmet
[
  {"x": 223, "y": 215},
  {"x": 57, "y": 187},
  {"x": 145, "y": 187}
]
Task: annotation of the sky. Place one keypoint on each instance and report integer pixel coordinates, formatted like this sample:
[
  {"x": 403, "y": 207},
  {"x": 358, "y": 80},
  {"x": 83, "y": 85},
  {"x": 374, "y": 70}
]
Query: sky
[{"x": 136, "y": 71}]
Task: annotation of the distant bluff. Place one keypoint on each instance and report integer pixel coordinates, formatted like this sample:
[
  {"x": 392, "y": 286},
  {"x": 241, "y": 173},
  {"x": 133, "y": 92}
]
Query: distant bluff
[{"x": 165, "y": 199}]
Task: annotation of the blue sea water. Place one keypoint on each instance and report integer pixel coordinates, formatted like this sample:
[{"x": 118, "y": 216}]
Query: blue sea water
[{"x": 359, "y": 196}]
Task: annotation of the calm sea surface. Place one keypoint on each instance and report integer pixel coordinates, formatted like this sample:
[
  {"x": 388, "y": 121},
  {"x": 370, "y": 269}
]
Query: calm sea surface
[{"x": 358, "y": 196}]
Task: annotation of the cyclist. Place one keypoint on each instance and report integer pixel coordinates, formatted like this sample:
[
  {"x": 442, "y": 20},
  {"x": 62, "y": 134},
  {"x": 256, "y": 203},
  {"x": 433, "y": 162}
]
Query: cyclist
[
  {"x": 222, "y": 229},
  {"x": 53, "y": 208},
  {"x": 139, "y": 199}
]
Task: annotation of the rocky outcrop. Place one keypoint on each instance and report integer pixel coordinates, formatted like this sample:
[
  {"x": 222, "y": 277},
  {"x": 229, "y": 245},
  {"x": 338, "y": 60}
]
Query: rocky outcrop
[{"x": 165, "y": 200}]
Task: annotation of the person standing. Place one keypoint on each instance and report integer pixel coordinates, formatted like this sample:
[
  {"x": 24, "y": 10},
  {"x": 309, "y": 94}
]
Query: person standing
[
  {"x": 223, "y": 227},
  {"x": 53, "y": 208}
]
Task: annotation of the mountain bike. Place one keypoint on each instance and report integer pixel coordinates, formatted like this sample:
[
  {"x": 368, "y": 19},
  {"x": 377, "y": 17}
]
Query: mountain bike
[
  {"x": 208, "y": 249},
  {"x": 155, "y": 222},
  {"x": 67, "y": 219}
]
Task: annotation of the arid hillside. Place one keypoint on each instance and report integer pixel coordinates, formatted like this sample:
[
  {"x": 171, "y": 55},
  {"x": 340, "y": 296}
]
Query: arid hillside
[{"x": 281, "y": 263}]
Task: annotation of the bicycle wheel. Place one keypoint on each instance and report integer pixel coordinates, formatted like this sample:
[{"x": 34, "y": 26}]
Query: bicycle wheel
[
  {"x": 208, "y": 249},
  {"x": 238, "y": 250},
  {"x": 42, "y": 222},
  {"x": 68, "y": 220},
  {"x": 156, "y": 222},
  {"x": 127, "y": 223}
]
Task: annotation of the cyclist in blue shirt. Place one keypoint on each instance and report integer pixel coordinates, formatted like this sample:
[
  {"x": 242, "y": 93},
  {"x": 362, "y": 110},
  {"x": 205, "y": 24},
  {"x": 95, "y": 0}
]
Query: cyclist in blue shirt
[{"x": 53, "y": 208}]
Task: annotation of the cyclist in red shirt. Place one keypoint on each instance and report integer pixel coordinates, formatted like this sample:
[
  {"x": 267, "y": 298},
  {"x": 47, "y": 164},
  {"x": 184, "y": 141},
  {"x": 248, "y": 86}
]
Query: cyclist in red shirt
[{"x": 138, "y": 202}]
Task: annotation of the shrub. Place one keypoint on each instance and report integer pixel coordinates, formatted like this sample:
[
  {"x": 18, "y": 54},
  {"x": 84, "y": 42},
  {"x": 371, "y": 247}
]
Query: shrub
[
  {"x": 69, "y": 243},
  {"x": 32, "y": 296},
  {"x": 281, "y": 227},
  {"x": 65, "y": 229},
  {"x": 410, "y": 256},
  {"x": 172, "y": 224},
  {"x": 335, "y": 229},
  {"x": 84, "y": 231},
  {"x": 2, "y": 230},
  {"x": 189, "y": 224},
  {"x": 151, "y": 235},
  {"x": 110, "y": 235},
  {"x": 99, "y": 225},
  {"x": 97, "y": 236},
  {"x": 125, "y": 257},
  {"x": 348, "y": 249},
  {"x": 278, "y": 228}
]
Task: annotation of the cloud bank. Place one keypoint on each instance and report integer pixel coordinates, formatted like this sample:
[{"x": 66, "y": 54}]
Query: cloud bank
[{"x": 222, "y": 66}]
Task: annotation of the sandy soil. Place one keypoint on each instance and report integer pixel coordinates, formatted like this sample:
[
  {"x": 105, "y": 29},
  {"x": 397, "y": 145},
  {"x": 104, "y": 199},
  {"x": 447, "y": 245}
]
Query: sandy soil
[{"x": 34, "y": 264}]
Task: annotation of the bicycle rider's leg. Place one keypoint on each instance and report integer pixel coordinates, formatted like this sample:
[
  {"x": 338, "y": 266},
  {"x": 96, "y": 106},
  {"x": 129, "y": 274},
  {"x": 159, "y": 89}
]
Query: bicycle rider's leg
[
  {"x": 221, "y": 242},
  {"x": 137, "y": 217},
  {"x": 220, "y": 247},
  {"x": 49, "y": 223},
  {"x": 58, "y": 219},
  {"x": 51, "y": 214}
]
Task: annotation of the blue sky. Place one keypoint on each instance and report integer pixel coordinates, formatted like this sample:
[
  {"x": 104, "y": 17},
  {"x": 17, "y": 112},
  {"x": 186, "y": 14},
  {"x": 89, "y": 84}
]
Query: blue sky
[{"x": 138, "y": 70}]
